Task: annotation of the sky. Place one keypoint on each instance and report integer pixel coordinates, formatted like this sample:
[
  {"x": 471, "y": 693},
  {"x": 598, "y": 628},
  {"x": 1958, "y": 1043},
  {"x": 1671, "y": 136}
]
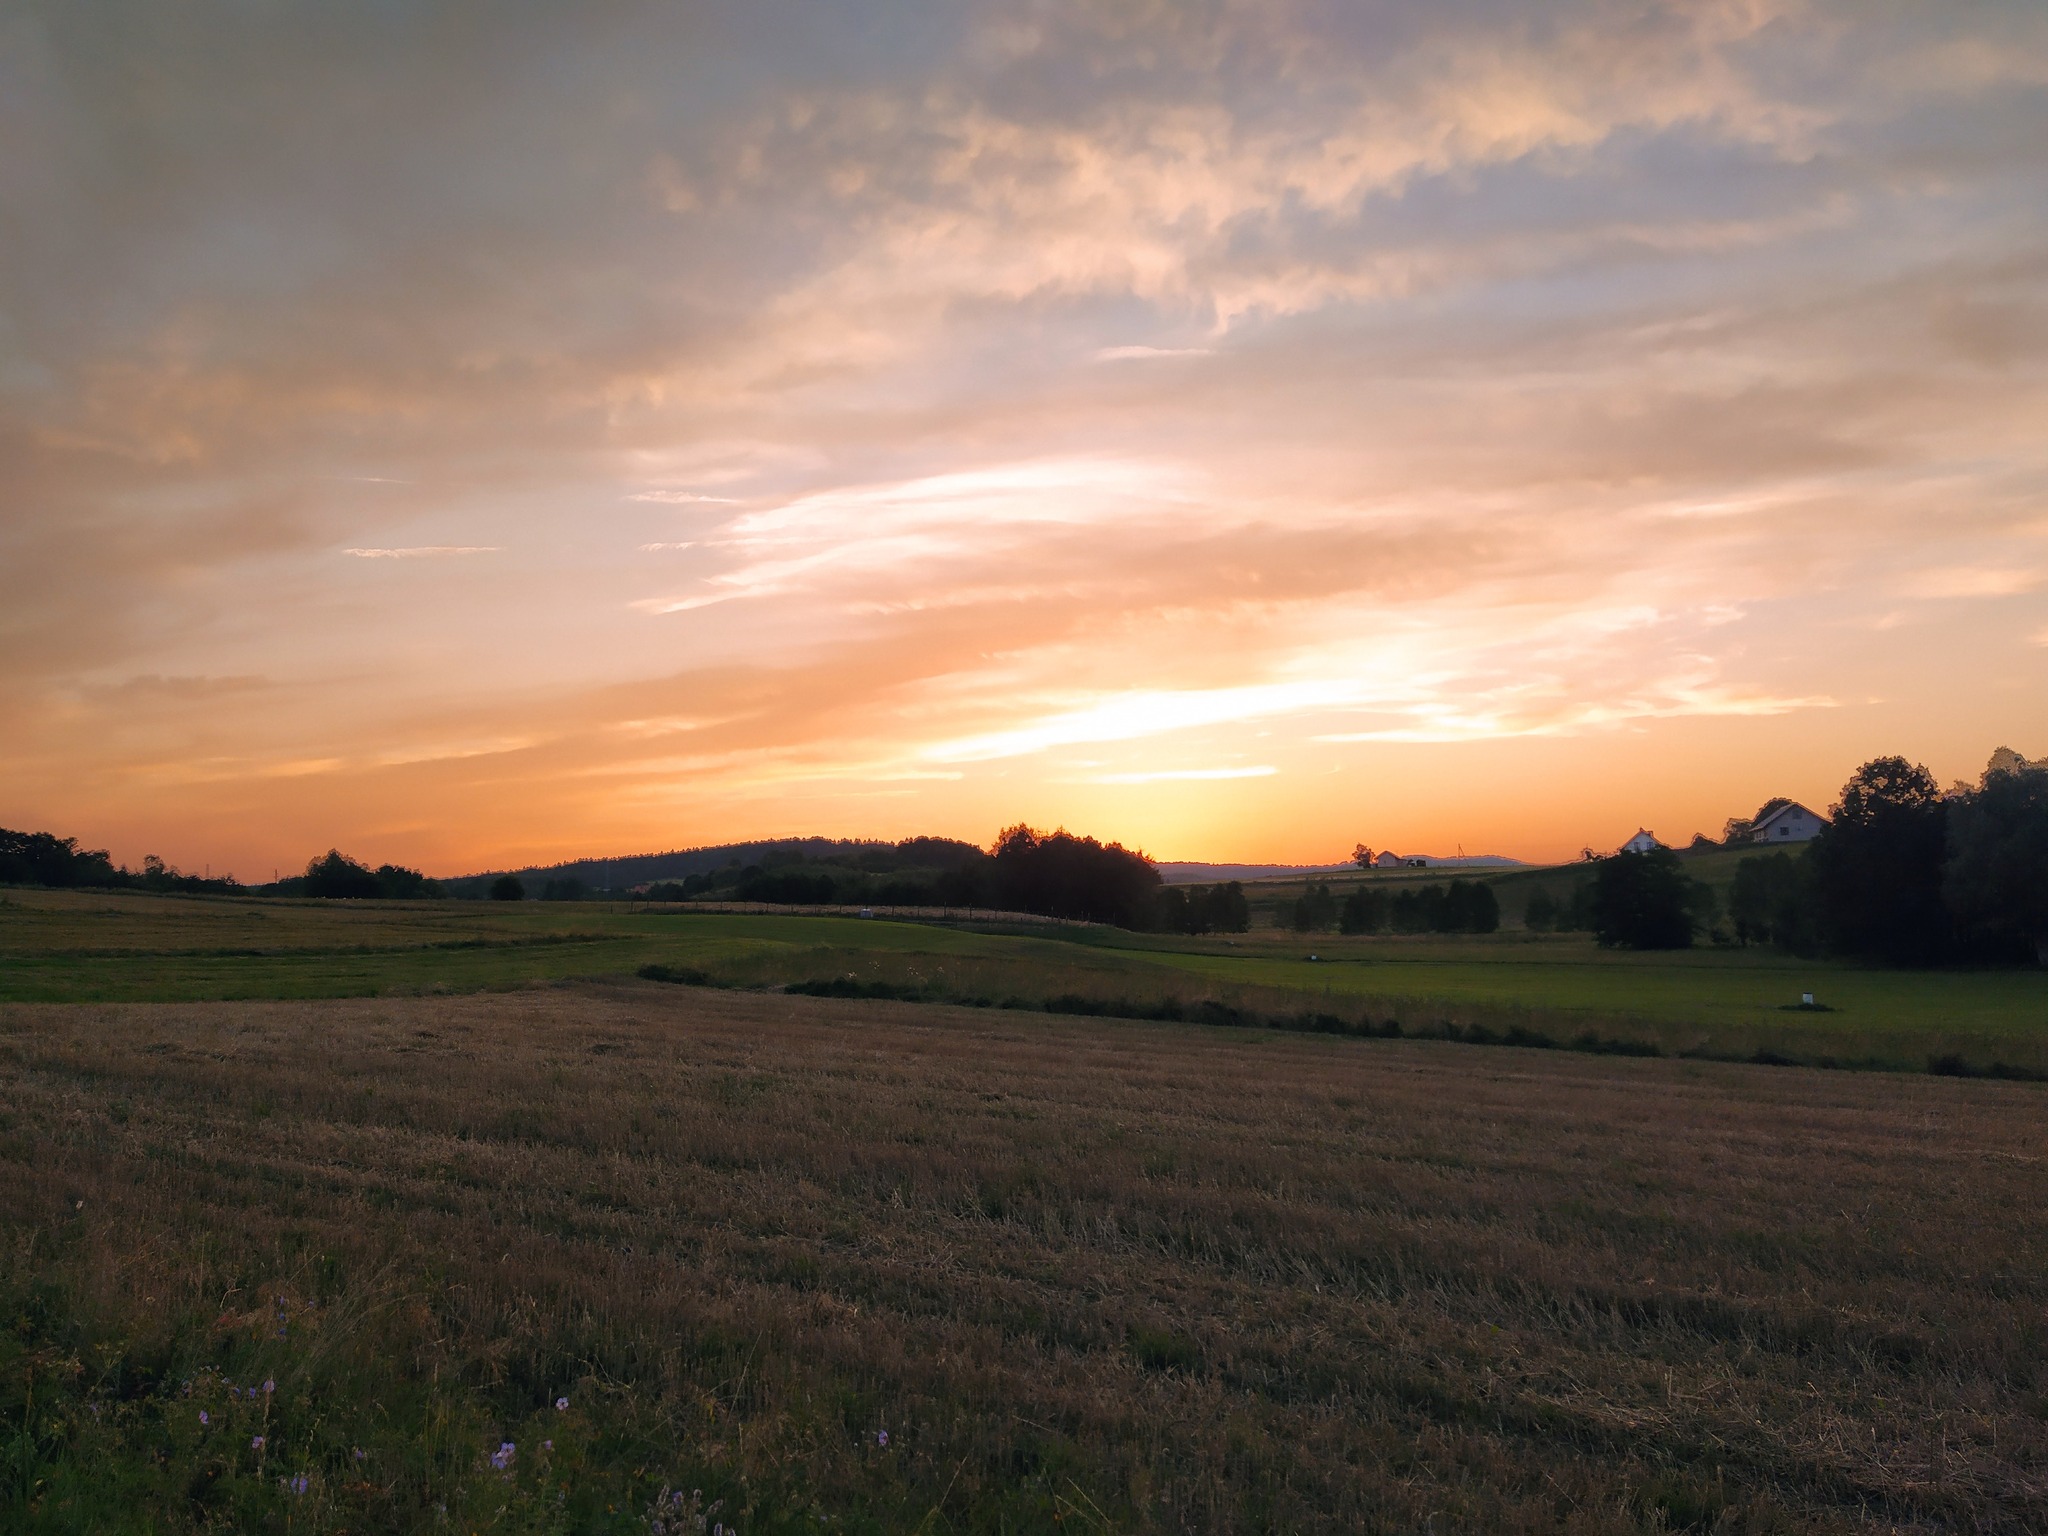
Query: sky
[{"x": 474, "y": 435}]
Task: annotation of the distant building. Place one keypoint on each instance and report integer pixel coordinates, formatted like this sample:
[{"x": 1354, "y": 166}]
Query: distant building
[
  {"x": 1786, "y": 822},
  {"x": 1642, "y": 842},
  {"x": 1387, "y": 860}
]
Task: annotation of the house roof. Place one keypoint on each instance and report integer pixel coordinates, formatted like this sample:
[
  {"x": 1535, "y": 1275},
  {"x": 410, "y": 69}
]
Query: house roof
[{"x": 1785, "y": 807}]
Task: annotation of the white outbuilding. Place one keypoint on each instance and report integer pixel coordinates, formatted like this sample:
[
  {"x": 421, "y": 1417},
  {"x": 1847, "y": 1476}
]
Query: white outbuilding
[{"x": 1642, "y": 842}]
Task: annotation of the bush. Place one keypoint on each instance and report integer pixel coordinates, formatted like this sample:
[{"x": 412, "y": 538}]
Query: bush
[{"x": 508, "y": 888}]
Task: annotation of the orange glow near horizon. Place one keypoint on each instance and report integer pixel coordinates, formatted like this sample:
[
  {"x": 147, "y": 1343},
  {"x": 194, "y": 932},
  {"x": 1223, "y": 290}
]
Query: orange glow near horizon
[{"x": 1239, "y": 433}]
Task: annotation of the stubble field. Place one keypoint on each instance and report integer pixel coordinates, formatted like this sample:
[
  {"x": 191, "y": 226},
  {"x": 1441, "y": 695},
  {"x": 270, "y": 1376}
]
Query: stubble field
[{"x": 792, "y": 1263}]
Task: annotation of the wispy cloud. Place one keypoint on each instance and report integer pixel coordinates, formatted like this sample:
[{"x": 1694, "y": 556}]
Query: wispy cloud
[
  {"x": 1359, "y": 393},
  {"x": 1977, "y": 581},
  {"x": 424, "y": 551},
  {"x": 1140, "y": 353}
]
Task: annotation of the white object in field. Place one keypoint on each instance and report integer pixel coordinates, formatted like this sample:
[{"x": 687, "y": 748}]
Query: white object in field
[{"x": 1806, "y": 999}]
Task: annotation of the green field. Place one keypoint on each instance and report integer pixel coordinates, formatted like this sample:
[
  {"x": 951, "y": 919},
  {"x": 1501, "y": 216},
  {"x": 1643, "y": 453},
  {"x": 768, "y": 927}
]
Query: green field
[{"x": 60, "y": 946}]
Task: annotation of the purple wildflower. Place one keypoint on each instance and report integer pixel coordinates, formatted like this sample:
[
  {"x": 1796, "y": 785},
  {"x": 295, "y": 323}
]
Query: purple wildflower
[
  {"x": 882, "y": 1438},
  {"x": 501, "y": 1458},
  {"x": 203, "y": 1418},
  {"x": 269, "y": 1386},
  {"x": 294, "y": 1484},
  {"x": 361, "y": 1454},
  {"x": 561, "y": 1405},
  {"x": 547, "y": 1445},
  {"x": 256, "y": 1443}
]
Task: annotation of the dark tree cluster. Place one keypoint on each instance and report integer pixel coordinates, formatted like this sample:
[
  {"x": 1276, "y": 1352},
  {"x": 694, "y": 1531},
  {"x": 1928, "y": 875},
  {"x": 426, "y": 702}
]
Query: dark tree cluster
[
  {"x": 1057, "y": 874},
  {"x": 1054, "y": 874},
  {"x": 1907, "y": 875},
  {"x": 1203, "y": 909},
  {"x": 43, "y": 858},
  {"x": 335, "y": 876}
]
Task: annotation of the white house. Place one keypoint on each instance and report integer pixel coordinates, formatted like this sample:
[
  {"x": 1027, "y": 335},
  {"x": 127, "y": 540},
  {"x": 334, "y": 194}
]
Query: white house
[
  {"x": 1642, "y": 842},
  {"x": 1387, "y": 860},
  {"x": 1790, "y": 822}
]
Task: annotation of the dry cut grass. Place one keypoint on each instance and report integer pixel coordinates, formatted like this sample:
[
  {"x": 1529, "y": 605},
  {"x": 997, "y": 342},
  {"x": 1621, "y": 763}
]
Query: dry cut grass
[{"x": 817, "y": 1264}]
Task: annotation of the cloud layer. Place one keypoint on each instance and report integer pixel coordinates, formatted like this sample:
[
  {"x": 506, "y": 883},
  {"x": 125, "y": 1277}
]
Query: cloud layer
[{"x": 1237, "y": 427}]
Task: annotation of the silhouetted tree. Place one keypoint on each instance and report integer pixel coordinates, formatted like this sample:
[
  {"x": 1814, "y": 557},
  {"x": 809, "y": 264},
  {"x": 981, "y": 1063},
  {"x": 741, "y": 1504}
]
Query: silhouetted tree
[
  {"x": 1996, "y": 879},
  {"x": 508, "y": 888},
  {"x": 1642, "y": 901},
  {"x": 1362, "y": 856},
  {"x": 1877, "y": 866},
  {"x": 1539, "y": 913},
  {"x": 563, "y": 888},
  {"x": 1469, "y": 906}
]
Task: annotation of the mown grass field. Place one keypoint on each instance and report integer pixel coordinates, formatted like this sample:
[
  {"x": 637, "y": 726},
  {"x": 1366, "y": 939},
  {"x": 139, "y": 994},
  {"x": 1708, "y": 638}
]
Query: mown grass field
[
  {"x": 599, "y": 1256},
  {"x": 94, "y": 947}
]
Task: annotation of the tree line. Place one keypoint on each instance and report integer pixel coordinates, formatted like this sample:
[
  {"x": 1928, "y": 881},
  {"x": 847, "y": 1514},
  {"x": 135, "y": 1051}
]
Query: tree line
[
  {"x": 43, "y": 858},
  {"x": 1463, "y": 906},
  {"x": 1902, "y": 874},
  {"x": 1908, "y": 875}
]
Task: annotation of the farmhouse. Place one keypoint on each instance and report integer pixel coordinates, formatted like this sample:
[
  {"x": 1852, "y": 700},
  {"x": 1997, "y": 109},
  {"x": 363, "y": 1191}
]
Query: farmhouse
[
  {"x": 1642, "y": 842},
  {"x": 1387, "y": 860},
  {"x": 1786, "y": 821}
]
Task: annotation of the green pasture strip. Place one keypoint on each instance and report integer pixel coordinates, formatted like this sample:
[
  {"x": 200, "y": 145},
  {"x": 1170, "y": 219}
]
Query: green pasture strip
[
  {"x": 1150, "y": 985},
  {"x": 93, "y": 947}
]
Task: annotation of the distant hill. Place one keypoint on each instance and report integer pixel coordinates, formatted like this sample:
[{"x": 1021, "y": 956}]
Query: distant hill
[
  {"x": 623, "y": 874},
  {"x": 1184, "y": 872},
  {"x": 638, "y": 869}
]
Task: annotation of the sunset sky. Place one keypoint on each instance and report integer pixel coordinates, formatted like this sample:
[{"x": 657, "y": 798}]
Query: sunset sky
[{"x": 474, "y": 435}]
